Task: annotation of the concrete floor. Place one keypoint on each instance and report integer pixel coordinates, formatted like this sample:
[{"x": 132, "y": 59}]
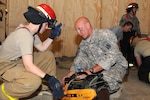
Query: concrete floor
[
  {"x": 133, "y": 89},
  {"x": 60, "y": 74}
]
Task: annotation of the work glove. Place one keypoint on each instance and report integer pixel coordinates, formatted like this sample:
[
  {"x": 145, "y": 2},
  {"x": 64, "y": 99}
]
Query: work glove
[
  {"x": 55, "y": 31},
  {"x": 55, "y": 86}
]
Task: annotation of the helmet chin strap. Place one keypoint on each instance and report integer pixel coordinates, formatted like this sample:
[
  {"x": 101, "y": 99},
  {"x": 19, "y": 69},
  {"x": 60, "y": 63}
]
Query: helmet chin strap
[{"x": 38, "y": 29}]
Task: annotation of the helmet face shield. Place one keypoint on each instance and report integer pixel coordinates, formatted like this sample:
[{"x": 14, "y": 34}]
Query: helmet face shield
[
  {"x": 34, "y": 16},
  {"x": 42, "y": 13},
  {"x": 51, "y": 23}
]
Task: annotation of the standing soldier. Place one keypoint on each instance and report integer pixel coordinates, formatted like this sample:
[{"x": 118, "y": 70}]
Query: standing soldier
[{"x": 124, "y": 43}]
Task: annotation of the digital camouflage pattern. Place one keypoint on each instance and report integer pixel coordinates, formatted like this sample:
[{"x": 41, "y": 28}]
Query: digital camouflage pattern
[{"x": 101, "y": 48}]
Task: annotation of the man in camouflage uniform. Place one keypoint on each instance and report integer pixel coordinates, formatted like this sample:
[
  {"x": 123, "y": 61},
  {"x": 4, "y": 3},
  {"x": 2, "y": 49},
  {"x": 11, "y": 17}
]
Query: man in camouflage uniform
[{"x": 98, "y": 52}]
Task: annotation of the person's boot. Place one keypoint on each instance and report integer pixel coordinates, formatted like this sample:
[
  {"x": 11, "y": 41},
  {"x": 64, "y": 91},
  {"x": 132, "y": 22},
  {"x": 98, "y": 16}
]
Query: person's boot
[{"x": 103, "y": 94}]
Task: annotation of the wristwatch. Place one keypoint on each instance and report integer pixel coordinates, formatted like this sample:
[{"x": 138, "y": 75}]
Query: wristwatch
[{"x": 91, "y": 70}]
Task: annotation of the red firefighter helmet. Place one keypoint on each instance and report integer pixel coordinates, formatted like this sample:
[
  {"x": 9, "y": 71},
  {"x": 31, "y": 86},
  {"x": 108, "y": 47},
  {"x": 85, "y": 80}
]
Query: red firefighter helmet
[
  {"x": 131, "y": 6},
  {"x": 42, "y": 13},
  {"x": 47, "y": 11}
]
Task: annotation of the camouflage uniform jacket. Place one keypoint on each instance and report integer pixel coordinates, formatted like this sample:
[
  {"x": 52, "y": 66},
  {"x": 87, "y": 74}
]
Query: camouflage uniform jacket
[{"x": 101, "y": 48}]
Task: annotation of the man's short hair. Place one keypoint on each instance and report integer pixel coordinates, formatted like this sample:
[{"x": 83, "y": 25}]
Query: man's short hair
[{"x": 128, "y": 23}]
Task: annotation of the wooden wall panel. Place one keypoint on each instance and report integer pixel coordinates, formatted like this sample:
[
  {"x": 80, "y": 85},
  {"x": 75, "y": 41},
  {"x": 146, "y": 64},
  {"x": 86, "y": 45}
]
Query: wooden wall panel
[
  {"x": 16, "y": 8},
  {"x": 101, "y": 13},
  {"x": 144, "y": 15},
  {"x": 70, "y": 13},
  {"x": 3, "y": 21},
  {"x": 109, "y": 13},
  {"x": 68, "y": 19}
]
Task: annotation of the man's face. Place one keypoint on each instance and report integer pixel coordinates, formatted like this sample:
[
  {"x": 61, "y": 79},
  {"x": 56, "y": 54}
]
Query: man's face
[
  {"x": 134, "y": 11},
  {"x": 127, "y": 28},
  {"x": 82, "y": 30}
]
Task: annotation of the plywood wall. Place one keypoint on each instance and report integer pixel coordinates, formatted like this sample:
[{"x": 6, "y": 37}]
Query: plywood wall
[
  {"x": 102, "y": 14},
  {"x": 3, "y": 21}
]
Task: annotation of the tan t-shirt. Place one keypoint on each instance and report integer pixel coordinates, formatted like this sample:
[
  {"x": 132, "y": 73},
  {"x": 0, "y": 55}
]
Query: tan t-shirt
[
  {"x": 19, "y": 42},
  {"x": 142, "y": 48}
]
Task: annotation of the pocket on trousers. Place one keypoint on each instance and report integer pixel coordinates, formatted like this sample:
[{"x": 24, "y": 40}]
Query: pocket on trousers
[{"x": 13, "y": 74}]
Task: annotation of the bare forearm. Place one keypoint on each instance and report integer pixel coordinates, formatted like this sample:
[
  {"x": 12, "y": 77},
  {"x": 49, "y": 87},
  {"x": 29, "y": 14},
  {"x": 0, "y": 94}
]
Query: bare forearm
[
  {"x": 44, "y": 45},
  {"x": 29, "y": 66},
  {"x": 70, "y": 73},
  {"x": 139, "y": 61},
  {"x": 95, "y": 69},
  {"x": 35, "y": 70}
]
